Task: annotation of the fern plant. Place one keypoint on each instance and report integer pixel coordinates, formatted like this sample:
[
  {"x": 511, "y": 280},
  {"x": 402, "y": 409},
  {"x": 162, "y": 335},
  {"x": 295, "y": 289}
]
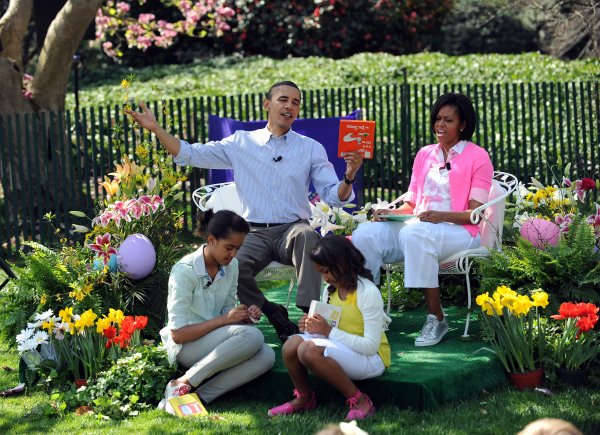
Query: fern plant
[{"x": 568, "y": 271}]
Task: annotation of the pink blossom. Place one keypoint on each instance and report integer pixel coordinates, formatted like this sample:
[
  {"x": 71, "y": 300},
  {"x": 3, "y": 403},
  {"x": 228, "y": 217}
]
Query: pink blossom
[
  {"x": 146, "y": 18},
  {"x": 123, "y": 7},
  {"x": 102, "y": 247},
  {"x": 566, "y": 182},
  {"x": 564, "y": 222},
  {"x": 122, "y": 210},
  {"x": 579, "y": 190},
  {"x": 225, "y": 11},
  {"x": 107, "y": 47},
  {"x": 135, "y": 208},
  {"x": 143, "y": 42},
  {"x": 151, "y": 204}
]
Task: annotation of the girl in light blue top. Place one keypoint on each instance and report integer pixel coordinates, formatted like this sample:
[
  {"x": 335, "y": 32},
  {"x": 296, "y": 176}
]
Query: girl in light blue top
[{"x": 206, "y": 333}]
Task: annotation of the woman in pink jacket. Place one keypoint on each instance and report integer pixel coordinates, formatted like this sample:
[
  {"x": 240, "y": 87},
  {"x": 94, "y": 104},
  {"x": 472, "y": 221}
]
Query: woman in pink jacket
[{"x": 449, "y": 180}]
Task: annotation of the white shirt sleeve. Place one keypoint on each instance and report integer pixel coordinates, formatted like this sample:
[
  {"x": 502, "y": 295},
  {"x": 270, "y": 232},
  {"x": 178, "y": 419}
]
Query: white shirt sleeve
[{"x": 370, "y": 305}]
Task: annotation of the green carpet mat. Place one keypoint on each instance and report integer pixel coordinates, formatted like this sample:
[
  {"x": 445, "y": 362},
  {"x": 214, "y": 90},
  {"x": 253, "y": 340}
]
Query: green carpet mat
[{"x": 419, "y": 378}]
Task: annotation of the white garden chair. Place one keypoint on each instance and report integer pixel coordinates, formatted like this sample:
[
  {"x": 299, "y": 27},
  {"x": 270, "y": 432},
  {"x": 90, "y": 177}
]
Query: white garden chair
[
  {"x": 224, "y": 196},
  {"x": 490, "y": 217}
]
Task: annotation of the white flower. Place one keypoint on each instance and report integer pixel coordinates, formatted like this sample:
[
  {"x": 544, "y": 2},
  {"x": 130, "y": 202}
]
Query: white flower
[
  {"x": 34, "y": 325},
  {"x": 380, "y": 204},
  {"x": 42, "y": 317},
  {"x": 80, "y": 229},
  {"x": 40, "y": 337},
  {"x": 27, "y": 345},
  {"x": 25, "y": 335}
]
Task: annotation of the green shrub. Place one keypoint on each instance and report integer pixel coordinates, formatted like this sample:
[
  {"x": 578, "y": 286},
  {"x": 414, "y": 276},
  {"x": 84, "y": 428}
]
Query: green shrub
[
  {"x": 134, "y": 383},
  {"x": 236, "y": 75},
  {"x": 569, "y": 271},
  {"x": 490, "y": 26}
]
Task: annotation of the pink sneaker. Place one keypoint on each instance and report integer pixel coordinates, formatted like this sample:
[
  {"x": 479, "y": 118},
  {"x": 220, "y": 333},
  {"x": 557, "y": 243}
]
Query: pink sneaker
[
  {"x": 173, "y": 391},
  {"x": 287, "y": 408},
  {"x": 355, "y": 412}
]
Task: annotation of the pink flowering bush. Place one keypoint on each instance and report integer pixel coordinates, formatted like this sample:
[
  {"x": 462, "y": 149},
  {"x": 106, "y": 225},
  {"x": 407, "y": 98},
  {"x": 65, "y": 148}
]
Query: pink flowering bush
[{"x": 119, "y": 24}]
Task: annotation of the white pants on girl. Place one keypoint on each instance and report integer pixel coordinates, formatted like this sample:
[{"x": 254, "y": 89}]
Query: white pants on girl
[
  {"x": 421, "y": 245},
  {"x": 356, "y": 365}
]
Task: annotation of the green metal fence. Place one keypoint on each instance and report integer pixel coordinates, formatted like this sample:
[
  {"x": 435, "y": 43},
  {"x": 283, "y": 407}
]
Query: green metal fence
[{"x": 54, "y": 162}]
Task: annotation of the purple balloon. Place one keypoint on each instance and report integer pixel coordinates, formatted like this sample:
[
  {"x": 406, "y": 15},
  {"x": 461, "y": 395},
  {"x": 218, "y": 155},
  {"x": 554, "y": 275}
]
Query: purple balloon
[
  {"x": 137, "y": 256},
  {"x": 540, "y": 232}
]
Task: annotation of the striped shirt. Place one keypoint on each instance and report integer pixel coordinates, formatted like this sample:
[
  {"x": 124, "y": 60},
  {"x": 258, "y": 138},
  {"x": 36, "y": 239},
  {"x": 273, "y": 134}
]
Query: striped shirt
[{"x": 272, "y": 175}]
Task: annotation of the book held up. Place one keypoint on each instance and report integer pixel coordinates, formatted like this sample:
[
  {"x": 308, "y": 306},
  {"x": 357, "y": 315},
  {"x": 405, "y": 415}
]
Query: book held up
[
  {"x": 356, "y": 136},
  {"x": 331, "y": 313}
]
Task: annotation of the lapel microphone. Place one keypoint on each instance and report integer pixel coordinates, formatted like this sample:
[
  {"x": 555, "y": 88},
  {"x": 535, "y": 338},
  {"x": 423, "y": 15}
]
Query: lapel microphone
[
  {"x": 447, "y": 166},
  {"x": 277, "y": 159}
]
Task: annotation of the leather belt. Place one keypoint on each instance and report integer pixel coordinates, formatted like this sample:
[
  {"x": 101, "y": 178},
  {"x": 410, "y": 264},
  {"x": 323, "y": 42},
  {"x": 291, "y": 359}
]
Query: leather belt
[{"x": 269, "y": 225}]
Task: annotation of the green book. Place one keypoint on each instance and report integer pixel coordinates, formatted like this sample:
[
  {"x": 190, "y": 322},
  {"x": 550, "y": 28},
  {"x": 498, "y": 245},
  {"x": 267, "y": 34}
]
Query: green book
[{"x": 397, "y": 217}]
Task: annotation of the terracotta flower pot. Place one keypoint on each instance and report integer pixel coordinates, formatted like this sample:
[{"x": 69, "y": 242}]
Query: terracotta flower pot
[
  {"x": 576, "y": 377},
  {"x": 80, "y": 383},
  {"x": 523, "y": 381}
]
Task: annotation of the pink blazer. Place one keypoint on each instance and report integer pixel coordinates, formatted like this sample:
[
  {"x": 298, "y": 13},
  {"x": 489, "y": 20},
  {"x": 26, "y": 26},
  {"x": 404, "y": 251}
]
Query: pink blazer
[{"x": 470, "y": 177}]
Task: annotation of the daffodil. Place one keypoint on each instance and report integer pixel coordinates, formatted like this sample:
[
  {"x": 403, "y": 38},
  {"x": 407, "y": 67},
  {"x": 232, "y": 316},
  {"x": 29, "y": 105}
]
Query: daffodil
[
  {"x": 540, "y": 298},
  {"x": 116, "y": 315},
  {"x": 66, "y": 314},
  {"x": 103, "y": 324}
]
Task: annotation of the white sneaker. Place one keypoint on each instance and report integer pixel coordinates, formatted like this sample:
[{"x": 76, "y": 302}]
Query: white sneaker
[
  {"x": 173, "y": 391},
  {"x": 433, "y": 331}
]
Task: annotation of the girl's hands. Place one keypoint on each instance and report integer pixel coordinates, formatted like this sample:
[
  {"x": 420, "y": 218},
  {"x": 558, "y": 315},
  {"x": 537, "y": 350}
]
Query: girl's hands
[
  {"x": 237, "y": 314},
  {"x": 302, "y": 322},
  {"x": 254, "y": 314},
  {"x": 317, "y": 325}
]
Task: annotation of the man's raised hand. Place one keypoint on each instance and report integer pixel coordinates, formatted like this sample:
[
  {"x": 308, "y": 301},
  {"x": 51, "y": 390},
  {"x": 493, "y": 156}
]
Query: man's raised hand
[{"x": 145, "y": 118}]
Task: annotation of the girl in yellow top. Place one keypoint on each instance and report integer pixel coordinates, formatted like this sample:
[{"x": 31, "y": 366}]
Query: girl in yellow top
[{"x": 356, "y": 349}]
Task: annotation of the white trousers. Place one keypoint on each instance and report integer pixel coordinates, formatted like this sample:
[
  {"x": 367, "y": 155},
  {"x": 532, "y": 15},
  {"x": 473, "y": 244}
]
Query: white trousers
[
  {"x": 356, "y": 366},
  {"x": 421, "y": 245}
]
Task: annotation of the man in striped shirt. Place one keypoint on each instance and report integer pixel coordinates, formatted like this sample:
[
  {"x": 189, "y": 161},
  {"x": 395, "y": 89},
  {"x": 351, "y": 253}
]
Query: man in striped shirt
[{"x": 274, "y": 168}]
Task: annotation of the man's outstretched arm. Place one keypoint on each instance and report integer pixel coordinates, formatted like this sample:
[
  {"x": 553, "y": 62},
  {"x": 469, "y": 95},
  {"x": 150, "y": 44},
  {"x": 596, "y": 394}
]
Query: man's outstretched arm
[{"x": 147, "y": 120}]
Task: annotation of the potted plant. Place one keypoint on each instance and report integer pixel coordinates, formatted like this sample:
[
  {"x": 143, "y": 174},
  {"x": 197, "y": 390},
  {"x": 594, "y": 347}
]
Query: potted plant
[
  {"x": 512, "y": 323},
  {"x": 574, "y": 342}
]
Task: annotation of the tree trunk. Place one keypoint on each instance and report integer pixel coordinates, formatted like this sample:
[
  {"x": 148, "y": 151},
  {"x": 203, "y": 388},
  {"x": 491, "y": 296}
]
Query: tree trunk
[
  {"x": 64, "y": 35},
  {"x": 31, "y": 184}
]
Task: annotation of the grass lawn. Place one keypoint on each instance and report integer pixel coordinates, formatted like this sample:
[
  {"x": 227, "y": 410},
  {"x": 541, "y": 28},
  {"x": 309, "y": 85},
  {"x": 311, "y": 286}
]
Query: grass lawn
[
  {"x": 503, "y": 411},
  {"x": 494, "y": 412}
]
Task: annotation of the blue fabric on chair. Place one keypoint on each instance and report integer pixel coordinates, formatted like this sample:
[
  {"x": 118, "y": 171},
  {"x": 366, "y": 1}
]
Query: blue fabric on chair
[{"x": 323, "y": 130}]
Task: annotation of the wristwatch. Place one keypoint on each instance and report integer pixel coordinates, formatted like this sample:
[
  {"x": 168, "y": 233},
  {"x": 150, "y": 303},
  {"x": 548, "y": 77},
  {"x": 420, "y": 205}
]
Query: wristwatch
[{"x": 349, "y": 182}]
